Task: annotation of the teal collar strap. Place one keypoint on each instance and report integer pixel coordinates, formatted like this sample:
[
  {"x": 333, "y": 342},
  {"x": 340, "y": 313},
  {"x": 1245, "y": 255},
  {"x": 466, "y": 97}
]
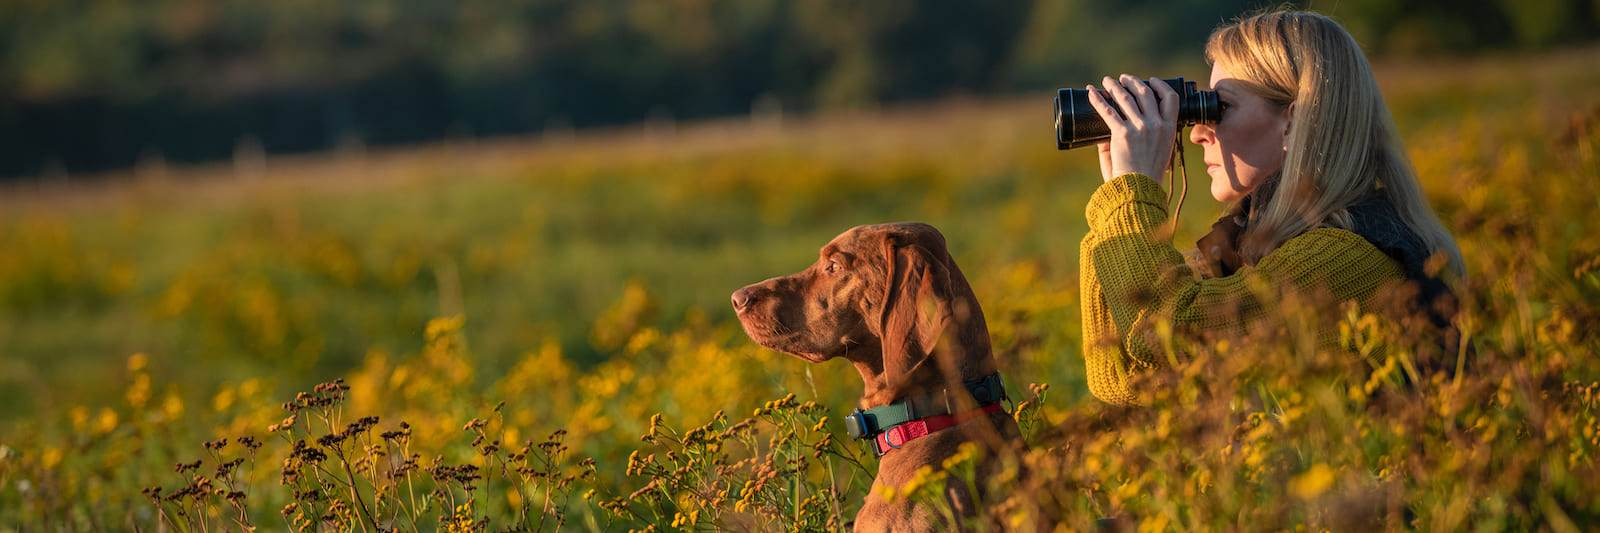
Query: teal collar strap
[{"x": 866, "y": 424}]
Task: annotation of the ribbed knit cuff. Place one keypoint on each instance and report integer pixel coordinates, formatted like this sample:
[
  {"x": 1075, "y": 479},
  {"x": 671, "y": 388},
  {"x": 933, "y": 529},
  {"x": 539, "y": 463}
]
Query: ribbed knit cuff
[{"x": 1124, "y": 191}]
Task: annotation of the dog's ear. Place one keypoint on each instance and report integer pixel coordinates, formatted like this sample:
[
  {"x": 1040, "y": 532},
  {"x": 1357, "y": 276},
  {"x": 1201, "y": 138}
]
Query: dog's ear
[{"x": 916, "y": 310}]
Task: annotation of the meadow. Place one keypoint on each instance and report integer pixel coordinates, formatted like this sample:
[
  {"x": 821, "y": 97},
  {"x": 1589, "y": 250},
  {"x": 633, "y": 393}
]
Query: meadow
[{"x": 534, "y": 333}]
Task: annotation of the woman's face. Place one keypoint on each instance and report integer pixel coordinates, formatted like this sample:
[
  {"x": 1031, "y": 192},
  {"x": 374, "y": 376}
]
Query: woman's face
[{"x": 1247, "y": 145}]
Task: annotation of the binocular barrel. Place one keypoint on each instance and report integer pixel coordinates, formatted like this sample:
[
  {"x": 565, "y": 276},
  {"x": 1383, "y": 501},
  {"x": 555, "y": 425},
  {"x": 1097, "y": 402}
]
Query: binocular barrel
[{"x": 1077, "y": 123}]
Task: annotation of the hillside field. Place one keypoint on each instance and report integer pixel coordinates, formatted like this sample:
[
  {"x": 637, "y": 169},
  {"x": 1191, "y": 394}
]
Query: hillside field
[{"x": 490, "y": 292}]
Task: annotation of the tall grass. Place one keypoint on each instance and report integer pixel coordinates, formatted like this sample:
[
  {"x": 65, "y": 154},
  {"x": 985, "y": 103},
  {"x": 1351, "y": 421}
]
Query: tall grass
[{"x": 534, "y": 334}]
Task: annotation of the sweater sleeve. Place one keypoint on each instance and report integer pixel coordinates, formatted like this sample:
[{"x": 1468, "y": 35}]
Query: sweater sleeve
[{"x": 1130, "y": 274}]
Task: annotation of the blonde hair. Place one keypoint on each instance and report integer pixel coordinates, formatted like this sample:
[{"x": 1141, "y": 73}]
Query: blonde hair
[{"x": 1343, "y": 145}]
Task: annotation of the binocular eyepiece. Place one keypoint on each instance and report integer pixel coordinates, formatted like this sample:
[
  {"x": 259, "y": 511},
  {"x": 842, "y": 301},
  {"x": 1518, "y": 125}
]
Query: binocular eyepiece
[{"x": 1077, "y": 123}]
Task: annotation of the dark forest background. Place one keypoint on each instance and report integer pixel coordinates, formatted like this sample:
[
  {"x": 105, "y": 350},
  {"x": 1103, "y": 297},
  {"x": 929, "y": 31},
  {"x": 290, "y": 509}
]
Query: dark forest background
[{"x": 92, "y": 85}]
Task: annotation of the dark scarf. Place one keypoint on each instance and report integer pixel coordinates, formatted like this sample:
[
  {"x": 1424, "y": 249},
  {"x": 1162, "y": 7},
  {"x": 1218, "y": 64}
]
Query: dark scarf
[
  {"x": 1218, "y": 251},
  {"x": 1372, "y": 219}
]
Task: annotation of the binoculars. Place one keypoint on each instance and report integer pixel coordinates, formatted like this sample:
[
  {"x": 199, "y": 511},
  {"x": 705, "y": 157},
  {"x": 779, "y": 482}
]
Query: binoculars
[{"x": 1077, "y": 123}]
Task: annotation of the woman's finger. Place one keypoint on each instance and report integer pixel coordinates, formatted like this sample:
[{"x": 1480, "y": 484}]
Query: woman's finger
[
  {"x": 1148, "y": 110},
  {"x": 1105, "y": 160},
  {"x": 1130, "y": 107},
  {"x": 1113, "y": 119},
  {"x": 1169, "y": 101}
]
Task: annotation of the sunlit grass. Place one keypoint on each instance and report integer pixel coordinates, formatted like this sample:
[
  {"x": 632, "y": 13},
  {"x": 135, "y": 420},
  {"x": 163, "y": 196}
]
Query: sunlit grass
[{"x": 550, "y": 316}]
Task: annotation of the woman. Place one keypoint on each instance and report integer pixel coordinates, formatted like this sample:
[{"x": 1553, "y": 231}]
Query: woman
[{"x": 1326, "y": 198}]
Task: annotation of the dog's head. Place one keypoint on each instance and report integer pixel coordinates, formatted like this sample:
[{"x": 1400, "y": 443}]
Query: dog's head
[{"x": 887, "y": 297}]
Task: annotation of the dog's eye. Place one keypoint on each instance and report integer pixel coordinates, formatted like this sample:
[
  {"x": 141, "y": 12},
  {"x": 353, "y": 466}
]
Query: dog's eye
[{"x": 834, "y": 266}]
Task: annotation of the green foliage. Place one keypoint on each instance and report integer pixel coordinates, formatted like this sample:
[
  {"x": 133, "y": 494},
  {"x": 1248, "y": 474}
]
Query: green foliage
[
  {"x": 902, "y": 48},
  {"x": 204, "y": 80}
]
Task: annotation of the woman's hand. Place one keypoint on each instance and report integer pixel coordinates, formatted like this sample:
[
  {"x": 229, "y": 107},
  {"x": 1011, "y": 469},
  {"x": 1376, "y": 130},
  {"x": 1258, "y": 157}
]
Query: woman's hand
[{"x": 1142, "y": 135}]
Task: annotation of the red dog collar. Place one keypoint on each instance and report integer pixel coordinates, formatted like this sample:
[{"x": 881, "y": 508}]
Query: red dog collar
[{"x": 899, "y": 435}]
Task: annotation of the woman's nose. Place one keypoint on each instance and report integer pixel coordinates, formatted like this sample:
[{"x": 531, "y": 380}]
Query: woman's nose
[{"x": 1200, "y": 133}]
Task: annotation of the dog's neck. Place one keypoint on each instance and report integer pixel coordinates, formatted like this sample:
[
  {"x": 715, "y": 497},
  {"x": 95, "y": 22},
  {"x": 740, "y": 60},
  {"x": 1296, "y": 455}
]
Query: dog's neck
[
  {"x": 877, "y": 392},
  {"x": 949, "y": 368}
]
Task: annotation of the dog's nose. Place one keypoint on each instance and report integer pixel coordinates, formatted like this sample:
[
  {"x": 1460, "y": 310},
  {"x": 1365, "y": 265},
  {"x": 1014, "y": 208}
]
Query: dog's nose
[{"x": 742, "y": 299}]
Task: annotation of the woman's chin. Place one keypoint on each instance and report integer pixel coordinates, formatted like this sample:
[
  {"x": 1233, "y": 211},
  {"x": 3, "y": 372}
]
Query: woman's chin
[{"x": 1225, "y": 194}]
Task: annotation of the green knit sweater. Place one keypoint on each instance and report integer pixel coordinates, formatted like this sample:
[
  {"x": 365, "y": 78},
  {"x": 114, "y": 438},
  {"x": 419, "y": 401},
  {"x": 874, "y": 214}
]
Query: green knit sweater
[{"x": 1129, "y": 275}]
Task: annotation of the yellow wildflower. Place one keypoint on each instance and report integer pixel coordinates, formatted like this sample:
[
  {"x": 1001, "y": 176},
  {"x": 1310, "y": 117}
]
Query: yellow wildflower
[
  {"x": 1312, "y": 483},
  {"x": 106, "y": 422}
]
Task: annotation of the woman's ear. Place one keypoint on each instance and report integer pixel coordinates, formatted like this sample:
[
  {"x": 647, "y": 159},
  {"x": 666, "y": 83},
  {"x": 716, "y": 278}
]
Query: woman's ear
[
  {"x": 916, "y": 311},
  {"x": 1288, "y": 124}
]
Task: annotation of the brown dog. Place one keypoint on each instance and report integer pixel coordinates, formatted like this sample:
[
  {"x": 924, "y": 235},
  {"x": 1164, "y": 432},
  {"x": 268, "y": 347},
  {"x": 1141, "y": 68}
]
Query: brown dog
[{"x": 889, "y": 299}]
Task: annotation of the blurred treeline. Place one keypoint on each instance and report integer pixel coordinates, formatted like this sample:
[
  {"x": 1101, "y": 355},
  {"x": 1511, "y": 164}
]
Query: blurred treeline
[{"x": 88, "y": 85}]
